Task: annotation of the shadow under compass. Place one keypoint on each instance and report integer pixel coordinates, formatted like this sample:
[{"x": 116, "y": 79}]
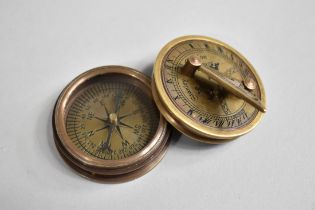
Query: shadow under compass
[
  {"x": 184, "y": 142},
  {"x": 148, "y": 70}
]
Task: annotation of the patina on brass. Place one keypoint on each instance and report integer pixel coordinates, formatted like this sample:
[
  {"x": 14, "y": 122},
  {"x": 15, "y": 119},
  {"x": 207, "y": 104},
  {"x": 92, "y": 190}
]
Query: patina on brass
[
  {"x": 207, "y": 90},
  {"x": 107, "y": 126}
]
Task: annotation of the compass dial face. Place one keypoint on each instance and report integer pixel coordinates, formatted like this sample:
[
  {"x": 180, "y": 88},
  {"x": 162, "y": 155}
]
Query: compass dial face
[
  {"x": 196, "y": 103},
  {"x": 111, "y": 118}
]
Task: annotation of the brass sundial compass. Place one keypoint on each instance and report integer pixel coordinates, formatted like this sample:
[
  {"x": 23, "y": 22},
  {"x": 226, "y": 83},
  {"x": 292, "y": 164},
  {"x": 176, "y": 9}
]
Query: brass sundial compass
[
  {"x": 207, "y": 90},
  {"x": 110, "y": 123},
  {"x": 107, "y": 126}
]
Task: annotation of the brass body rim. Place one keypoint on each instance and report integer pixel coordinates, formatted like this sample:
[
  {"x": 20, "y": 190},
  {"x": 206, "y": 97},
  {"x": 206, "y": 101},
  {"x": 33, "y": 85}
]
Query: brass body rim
[
  {"x": 107, "y": 170},
  {"x": 179, "y": 126},
  {"x": 178, "y": 119},
  {"x": 104, "y": 177}
]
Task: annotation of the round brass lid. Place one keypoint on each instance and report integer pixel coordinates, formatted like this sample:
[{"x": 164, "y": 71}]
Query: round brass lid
[
  {"x": 207, "y": 90},
  {"x": 107, "y": 126}
]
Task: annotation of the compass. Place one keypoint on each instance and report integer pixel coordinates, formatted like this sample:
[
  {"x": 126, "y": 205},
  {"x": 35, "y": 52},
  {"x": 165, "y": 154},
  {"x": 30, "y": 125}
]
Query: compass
[
  {"x": 107, "y": 126},
  {"x": 207, "y": 90}
]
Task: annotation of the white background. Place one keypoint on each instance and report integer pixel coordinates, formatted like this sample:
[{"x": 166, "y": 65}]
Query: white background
[{"x": 45, "y": 44}]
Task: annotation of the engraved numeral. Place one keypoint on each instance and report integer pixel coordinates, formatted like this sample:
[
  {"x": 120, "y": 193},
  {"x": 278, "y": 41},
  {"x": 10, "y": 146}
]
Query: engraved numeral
[
  {"x": 190, "y": 112},
  {"x": 169, "y": 81},
  {"x": 88, "y": 134},
  {"x": 169, "y": 63},
  {"x": 125, "y": 143},
  {"x": 214, "y": 65},
  {"x": 219, "y": 123},
  {"x": 203, "y": 57},
  {"x": 231, "y": 123},
  {"x": 90, "y": 116},
  {"x": 204, "y": 120}
]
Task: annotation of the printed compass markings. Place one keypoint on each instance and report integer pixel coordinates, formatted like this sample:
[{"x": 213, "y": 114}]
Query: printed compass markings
[
  {"x": 113, "y": 120},
  {"x": 130, "y": 114}
]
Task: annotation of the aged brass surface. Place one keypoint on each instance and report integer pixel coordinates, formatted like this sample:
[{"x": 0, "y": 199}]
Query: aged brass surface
[
  {"x": 199, "y": 85},
  {"x": 194, "y": 64},
  {"x": 107, "y": 127}
]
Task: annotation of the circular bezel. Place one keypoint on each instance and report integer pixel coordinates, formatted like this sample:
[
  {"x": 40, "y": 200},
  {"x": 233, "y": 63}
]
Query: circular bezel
[
  {"x": 181, "y": 121},
  {"x": 86, "y": 164}
]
